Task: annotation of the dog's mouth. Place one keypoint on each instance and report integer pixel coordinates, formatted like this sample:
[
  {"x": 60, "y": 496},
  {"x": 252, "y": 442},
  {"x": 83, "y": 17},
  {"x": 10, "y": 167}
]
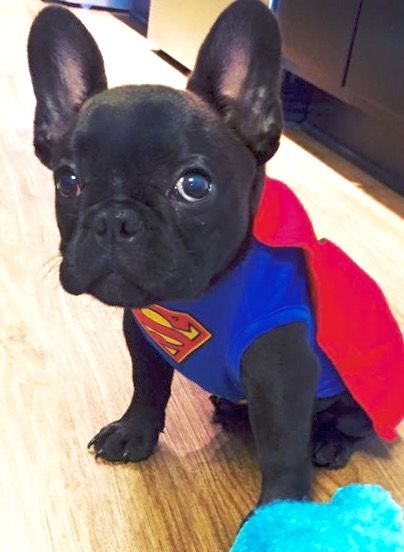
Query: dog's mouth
[
  {"x": 114, "y": 289},
  {"x": 110, "y": 287},
  {"x": 133, "y": 281}
]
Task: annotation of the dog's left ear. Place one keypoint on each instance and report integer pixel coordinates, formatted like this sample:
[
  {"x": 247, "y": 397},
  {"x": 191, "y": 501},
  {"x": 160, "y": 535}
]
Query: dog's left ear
[
  {"x": 66, "y": 68},
  {"x": 238, "y": 72}
]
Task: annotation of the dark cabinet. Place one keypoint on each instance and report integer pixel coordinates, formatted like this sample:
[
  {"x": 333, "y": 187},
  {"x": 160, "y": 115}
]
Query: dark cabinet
[
  {"x": 317, "y": 38},
  {"x": 375, "y": 78},
  {"x": 352, "y": 51}
]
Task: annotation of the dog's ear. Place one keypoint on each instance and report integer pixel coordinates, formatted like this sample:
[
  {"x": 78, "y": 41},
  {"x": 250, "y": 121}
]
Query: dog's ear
[
  {"x": 238, "y": 72},
  {"x": 66, "y": 68}
]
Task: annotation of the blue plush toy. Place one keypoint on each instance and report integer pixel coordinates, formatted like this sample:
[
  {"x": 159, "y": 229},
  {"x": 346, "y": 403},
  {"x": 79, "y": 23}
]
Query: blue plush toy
[{"x": 359, "y": 518}]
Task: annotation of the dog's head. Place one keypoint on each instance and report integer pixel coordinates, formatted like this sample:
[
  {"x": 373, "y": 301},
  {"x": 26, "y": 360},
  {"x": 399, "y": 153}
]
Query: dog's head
[{"x": 155, "y": 187}]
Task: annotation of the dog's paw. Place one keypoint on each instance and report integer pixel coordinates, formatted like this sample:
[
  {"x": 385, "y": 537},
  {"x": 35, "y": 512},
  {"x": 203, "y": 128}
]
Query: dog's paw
[
  {"x": 125, "y": 440},
  {"x": 233, "y": 417},
  {"x": 332, "y": 451}
]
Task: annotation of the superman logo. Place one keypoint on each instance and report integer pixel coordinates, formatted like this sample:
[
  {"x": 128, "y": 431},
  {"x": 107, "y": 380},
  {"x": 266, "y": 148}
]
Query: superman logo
[{"x": 177, "y": 333}]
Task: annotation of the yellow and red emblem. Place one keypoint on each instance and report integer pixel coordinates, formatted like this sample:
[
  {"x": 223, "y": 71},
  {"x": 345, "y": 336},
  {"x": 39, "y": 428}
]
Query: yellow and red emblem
[{"x": 177, "y": 333}]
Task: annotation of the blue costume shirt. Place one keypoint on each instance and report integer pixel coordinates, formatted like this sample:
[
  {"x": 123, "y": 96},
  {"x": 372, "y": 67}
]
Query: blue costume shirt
[{"x": 206, "y": 338}]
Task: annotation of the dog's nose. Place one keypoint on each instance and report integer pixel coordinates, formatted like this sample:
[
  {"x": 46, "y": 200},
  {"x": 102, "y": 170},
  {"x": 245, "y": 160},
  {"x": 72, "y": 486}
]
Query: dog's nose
[{"x": 120, "y": 224}]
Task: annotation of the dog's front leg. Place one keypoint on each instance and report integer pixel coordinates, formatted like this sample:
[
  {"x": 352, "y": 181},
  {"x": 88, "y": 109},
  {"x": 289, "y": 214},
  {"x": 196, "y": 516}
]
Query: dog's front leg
[
  {"x": 279, "y": 374},
  {"x": 134, "y": 436}
]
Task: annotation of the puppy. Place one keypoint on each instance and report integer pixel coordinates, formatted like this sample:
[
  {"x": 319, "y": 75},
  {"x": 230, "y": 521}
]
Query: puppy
[{"x": 156, "y": 194}]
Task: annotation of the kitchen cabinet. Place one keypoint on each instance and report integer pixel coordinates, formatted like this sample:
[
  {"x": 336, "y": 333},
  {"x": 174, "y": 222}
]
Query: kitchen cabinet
[
  {"x": 317, "y": 37},
  {"x": 352, "y": 52},
  {"x": 375, "y": 76}
]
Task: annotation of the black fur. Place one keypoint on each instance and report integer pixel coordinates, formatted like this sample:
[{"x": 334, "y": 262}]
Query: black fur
[
  {"x": 129, "y": 239},
  {"x": 66, "y": 68}
]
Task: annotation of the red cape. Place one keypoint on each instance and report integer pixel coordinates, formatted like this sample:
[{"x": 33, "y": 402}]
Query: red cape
[{"x": 355, "y": 327}]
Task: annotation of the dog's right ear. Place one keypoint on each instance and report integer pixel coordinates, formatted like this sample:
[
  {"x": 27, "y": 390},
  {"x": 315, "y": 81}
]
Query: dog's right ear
[
  {"x": 66, "y": 68},
  {"x": 238, "y": 73}
]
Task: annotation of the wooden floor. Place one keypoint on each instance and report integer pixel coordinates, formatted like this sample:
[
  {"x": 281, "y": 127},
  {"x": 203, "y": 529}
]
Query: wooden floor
[{"x": 65, "y": 371}]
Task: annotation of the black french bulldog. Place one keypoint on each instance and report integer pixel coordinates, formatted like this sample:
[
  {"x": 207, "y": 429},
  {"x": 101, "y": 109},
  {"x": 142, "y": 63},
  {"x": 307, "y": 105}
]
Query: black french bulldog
[{"x": 156, "y": 190}]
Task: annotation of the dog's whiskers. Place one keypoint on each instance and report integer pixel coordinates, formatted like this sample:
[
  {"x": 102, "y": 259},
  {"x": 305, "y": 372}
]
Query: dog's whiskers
[{"x": 49, "y": 267}]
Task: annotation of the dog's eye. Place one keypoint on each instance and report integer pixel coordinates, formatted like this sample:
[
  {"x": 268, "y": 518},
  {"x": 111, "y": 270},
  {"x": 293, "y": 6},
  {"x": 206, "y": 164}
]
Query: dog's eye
[
  {"x": 67, "y": 183},
  {"x": 193, "y": 186}
]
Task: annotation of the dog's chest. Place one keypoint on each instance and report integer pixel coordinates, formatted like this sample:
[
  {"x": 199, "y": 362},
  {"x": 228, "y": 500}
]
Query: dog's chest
[{"x": 206, "y": 338}]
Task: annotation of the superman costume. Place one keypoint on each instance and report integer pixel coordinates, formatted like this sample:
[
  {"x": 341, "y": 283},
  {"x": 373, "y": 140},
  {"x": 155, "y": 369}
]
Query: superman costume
[{"x": 287, "y": 275}]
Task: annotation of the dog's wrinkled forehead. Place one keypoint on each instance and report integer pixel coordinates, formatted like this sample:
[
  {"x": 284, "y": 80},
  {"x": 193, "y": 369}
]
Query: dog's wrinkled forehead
[{"x": 139, "y": 125}]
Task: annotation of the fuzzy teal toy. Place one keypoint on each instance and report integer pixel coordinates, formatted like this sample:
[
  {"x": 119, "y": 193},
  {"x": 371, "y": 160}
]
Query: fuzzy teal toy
[{"x": 359, "y": 518}]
